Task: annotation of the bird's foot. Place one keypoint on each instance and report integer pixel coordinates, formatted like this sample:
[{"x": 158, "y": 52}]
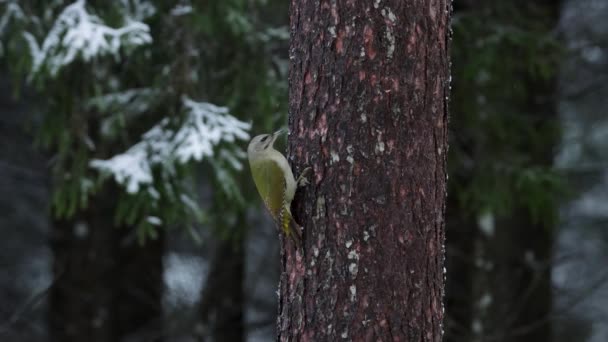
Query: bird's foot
[{"x": 302, "y": 180}]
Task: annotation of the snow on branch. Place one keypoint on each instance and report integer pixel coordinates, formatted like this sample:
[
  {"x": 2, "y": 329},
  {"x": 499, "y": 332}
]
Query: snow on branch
[
  {"x": 76, "y": 32},
  {"x": 181, "y": 9},
  {"x": 131, "y": 101},
  {"x": 131, "y": 169},
  {"x": 11, "y": 10},
  {"x": 138, "y": 9},
  {"x": 206, "y": 126}
]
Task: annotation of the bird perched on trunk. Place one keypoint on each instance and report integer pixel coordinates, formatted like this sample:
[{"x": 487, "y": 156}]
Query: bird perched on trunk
[{"x": 275, "y": 182}]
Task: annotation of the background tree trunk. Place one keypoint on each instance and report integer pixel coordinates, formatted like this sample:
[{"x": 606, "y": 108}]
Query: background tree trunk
[
  {"x": 140, "y": 287},
  {"x": 81, "y": 306},
  {"x": 369, "y": 83},
  {"x": 222, "y": 300},
  {"x": 461, "y": 233},
  {"x": 499, "y": 275},
  {"x": 106, "y": 286}
]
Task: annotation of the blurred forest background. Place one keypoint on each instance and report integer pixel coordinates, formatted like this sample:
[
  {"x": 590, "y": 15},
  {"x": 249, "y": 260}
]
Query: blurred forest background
[{"x": 128, "y": 212}]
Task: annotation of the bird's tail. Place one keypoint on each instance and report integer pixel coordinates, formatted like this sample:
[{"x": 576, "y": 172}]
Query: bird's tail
[{"x": 292, "y": 229}]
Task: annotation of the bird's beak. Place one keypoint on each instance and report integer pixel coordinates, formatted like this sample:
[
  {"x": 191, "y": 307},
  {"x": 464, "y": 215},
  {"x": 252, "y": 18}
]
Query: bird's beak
[{"x": 276, "y": 134}]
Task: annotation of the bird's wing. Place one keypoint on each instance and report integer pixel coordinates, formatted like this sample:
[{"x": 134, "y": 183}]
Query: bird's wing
[{"x": 270, "y": 182}]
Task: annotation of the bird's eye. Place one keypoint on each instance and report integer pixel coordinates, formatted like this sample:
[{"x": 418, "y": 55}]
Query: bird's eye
[{"x": 265, "y": 138}]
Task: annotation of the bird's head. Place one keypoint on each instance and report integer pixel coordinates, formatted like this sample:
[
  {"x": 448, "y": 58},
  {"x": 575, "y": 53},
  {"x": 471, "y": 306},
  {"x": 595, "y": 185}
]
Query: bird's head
[{"x": 262, "y": 142}]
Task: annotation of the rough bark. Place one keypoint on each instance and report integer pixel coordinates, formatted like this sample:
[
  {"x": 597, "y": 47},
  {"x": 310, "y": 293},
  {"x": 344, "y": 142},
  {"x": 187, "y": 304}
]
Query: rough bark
[
  {"x": 369, "y": 83},
  {"x": 106, "y": 287}
]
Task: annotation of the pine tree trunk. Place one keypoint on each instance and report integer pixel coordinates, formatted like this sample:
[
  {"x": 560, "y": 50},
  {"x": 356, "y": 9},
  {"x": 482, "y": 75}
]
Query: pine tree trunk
[{"x": 369, "y": 83}]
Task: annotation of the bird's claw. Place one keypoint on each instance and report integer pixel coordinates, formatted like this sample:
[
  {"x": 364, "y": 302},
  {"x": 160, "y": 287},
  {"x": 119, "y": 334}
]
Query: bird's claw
[{"x": 302, "y": 180}]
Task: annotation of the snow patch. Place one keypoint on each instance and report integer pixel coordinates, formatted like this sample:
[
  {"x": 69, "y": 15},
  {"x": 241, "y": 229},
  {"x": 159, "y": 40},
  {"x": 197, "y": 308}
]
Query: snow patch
[
  {"x": 153, "y": 220},
  {"x": 486, "y": 223}
]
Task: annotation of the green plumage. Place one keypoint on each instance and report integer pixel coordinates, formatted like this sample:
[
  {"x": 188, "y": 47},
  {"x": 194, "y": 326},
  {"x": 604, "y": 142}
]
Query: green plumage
[
  {"x": 269, "y": 181},
  {"x": 275, "y": 182}
]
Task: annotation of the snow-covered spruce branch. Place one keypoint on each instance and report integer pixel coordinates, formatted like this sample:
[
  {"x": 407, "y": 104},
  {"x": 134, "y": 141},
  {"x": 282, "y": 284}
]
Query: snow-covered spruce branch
[
  {"x": 76, "y": 32},
  {"x": 133, "y": 101},
  {"x": 205, "y": 127},
  {"x": 11, "y": 11}
]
